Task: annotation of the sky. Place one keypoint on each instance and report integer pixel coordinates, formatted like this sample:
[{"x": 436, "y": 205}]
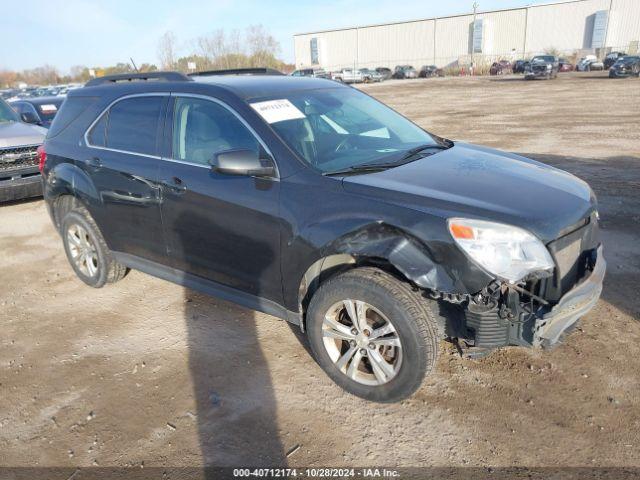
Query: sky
[{"x": 105, "y": 32}]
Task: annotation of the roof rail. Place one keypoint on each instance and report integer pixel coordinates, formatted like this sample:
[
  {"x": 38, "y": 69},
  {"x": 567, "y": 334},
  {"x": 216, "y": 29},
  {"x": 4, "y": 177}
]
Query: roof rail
[
  {"x": 238, "y": 71},
  {"x": 131, "y": 77}
]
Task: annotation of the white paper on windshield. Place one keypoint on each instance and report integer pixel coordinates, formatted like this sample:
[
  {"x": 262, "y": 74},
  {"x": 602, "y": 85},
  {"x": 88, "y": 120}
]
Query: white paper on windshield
[
  {"x": 277, "y": 110},
  {"x": 48, "y": 108}
]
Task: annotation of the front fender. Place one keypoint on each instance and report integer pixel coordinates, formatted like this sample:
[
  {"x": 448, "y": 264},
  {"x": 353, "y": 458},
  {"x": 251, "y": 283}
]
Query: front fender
[
  {"x": 434, "y": 264},
  {"x": 410, "y": 256}
]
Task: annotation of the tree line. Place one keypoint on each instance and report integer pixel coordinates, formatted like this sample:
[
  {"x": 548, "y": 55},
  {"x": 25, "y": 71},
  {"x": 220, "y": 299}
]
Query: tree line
[{"x": 253, "y": 47}]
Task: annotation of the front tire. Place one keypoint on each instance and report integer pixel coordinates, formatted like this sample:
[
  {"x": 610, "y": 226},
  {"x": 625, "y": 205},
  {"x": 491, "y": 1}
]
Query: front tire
[
  {"x": 87, "y": 251},
  {"x": 374, "y": 335}
]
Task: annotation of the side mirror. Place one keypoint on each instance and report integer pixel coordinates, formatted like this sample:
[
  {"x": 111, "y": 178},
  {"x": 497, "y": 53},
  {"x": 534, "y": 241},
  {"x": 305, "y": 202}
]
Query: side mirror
[
  {"x": 243, "y": 162},
  {"x": 29, "y": 117}
]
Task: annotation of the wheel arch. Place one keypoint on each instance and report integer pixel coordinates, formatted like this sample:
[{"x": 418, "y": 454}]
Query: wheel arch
[
  {"x": 384, "y": 246},
  {"x": 65, "y": 182}
]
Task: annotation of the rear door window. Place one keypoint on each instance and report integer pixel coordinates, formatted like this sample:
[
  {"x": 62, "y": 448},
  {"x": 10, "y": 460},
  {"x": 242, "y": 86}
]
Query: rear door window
[{"x": 133, "y": 125}]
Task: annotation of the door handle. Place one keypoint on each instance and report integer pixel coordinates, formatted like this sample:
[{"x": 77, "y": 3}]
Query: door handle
[
  {"x": 94, "y": 162},
  {"x": 174, "y": 184}
]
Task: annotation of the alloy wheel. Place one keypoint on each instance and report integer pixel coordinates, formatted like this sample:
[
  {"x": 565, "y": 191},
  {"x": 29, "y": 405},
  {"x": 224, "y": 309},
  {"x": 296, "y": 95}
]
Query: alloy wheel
[
  {"x": 83, "y": 252},
  {"x": 362, "y": 342}
]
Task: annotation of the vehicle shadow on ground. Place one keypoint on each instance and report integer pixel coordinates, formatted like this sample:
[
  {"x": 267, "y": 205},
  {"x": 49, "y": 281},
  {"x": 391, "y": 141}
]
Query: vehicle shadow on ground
[
  {"x": 618, "y": 204},
  {"x": 235, "y": 401},
  {"x": 21, "y": 201},
  {"x": 602, "y": 76},
  {"x": 509, "y": 79}
]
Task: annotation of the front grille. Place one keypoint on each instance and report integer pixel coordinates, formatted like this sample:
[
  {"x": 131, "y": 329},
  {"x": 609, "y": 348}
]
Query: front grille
[{"x": 18, "y": 157}]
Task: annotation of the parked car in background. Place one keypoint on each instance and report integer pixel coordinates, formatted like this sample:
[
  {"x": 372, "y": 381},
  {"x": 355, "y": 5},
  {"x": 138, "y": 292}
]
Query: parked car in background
[
  {"x": 8, "y": 93},
  {"x": 589, "y": 63},
  {"x": 542, "y": 66},
  {"x": 427, "y": 71},
  {"x": 519, "y": 66},
  {"x": 625, "y": 67},
  {"x": 310, "y": 72},
  {"x": 370, "y": 75},
  {"x": 314, "y": 202},
  {"x": 38, "y": 110},
  {"x": 499, "y": 68},
  {"x": 404, "y": 71},
  {"x": 348, "y": 75},
  {"x": 565, "y": 65},
  {"x": 612, "y": 58},
  {"x": 19, "y": 142},
  {"x": 385, "y": 72}
]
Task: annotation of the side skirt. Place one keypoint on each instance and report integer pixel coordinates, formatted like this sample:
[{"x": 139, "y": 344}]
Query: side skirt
[{"x": 208, "y": 287}]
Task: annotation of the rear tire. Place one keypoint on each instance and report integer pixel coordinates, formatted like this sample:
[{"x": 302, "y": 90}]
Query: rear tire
[
  {"x": 383, "y": 355},
  {"x": 86, "y": 250}
]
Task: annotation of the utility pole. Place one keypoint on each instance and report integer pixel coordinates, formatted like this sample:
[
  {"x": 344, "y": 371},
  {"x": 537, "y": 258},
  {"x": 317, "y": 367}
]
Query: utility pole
[{"x": 473, "y": 34}]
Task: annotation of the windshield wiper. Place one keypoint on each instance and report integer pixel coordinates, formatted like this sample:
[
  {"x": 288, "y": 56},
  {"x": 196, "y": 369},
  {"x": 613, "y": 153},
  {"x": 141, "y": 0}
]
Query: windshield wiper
[
  {"x": 379, "y": 166},
  {"x": 414, "y": 151},
  {"x": 370, "y": 167}
]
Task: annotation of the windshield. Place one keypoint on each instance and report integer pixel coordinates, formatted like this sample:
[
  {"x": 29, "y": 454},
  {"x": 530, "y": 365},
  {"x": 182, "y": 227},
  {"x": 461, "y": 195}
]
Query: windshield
[
  {"x": 339, "y": 128},
  {"x": 543, "y": 58},
  {"x": 7, "y": 114}
]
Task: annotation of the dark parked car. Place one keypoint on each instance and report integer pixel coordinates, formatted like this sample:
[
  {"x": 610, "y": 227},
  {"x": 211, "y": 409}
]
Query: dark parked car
[
  {"x": 430, "y": 71},
  {"x": 625, "y": 67},
  {"x": 385, "y": 72},
  {"x": 19, "y": 142},
  {"x": 612, "y": 58},
  {"x": 519, "y": 66},
  {"x": 500, "y": 68},
  {"x": 404, "y": 71},
  {"x": 542, "y": 66},
  {"x": 38, "y": 110},
  {"x": 311, "y": 201},
  {"x": 565, "y": 66}
]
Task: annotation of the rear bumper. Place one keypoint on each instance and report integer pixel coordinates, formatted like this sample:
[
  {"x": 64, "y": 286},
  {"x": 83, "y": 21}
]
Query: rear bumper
[
  {"x": 20, "y": 183},
  {"x": 574, "y": 304}
]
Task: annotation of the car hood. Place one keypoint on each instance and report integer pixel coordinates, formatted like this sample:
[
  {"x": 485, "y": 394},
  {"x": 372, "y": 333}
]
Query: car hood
[
  {"x": 479, "y": 182},
  {"x": 16, "y": 134}
]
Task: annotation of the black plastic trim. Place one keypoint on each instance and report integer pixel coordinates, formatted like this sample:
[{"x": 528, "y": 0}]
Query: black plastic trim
[{"x": 208, "y": 287}]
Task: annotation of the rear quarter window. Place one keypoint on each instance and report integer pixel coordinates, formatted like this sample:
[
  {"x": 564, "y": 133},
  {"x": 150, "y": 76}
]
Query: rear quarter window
[{"x": 69, "y": 111}]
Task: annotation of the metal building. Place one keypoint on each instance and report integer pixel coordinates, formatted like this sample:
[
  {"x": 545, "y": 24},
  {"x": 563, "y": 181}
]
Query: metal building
[{"x": 568, "y": 27}]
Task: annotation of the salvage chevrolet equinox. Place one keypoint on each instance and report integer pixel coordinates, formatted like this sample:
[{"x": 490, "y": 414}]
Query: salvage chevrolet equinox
[{"x": 311, "y": 201}]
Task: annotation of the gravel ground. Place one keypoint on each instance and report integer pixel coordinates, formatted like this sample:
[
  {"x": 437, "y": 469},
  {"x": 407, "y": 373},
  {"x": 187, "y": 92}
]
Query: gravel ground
[{"x": 146, "y": 373}]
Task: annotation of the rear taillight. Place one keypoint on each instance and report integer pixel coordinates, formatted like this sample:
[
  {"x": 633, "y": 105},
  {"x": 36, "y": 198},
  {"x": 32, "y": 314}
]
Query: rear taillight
[{"x": 42, "y": 157}]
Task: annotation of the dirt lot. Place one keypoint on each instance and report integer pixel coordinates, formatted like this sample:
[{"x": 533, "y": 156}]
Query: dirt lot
[{"x": 147, "y": 373}]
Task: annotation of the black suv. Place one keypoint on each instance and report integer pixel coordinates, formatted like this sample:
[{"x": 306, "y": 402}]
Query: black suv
[
  {"x": 311, "y": 201},
  {"x": 542, "y": 66}
]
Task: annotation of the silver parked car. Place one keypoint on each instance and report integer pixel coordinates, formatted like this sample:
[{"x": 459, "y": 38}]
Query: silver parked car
[
  {"x": 19, "y": 157},
  {"x": 370, "y": 75}
]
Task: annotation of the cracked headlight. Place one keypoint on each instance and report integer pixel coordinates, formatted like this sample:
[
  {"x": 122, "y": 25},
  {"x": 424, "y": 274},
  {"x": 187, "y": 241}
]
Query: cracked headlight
[{"x": 510, "y": 253}]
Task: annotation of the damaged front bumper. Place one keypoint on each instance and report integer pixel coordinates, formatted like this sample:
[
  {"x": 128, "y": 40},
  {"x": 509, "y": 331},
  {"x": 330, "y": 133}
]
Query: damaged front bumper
[{"x": 574, "y": 304}]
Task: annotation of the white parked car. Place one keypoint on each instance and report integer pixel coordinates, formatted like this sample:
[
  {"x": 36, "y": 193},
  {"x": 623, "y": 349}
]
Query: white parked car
[{"x": 588, "y": 63}]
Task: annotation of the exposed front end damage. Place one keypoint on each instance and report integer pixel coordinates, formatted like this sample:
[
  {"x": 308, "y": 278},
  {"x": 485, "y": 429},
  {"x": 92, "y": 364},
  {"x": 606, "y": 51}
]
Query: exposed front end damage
[
  {"x": 478, "y": 310},
  {"x": 539, "y": 310}
]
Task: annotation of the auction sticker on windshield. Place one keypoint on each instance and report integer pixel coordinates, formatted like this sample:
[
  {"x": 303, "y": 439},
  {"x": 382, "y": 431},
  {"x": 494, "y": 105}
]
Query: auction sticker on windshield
[{"x": 277, "y": 110}]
